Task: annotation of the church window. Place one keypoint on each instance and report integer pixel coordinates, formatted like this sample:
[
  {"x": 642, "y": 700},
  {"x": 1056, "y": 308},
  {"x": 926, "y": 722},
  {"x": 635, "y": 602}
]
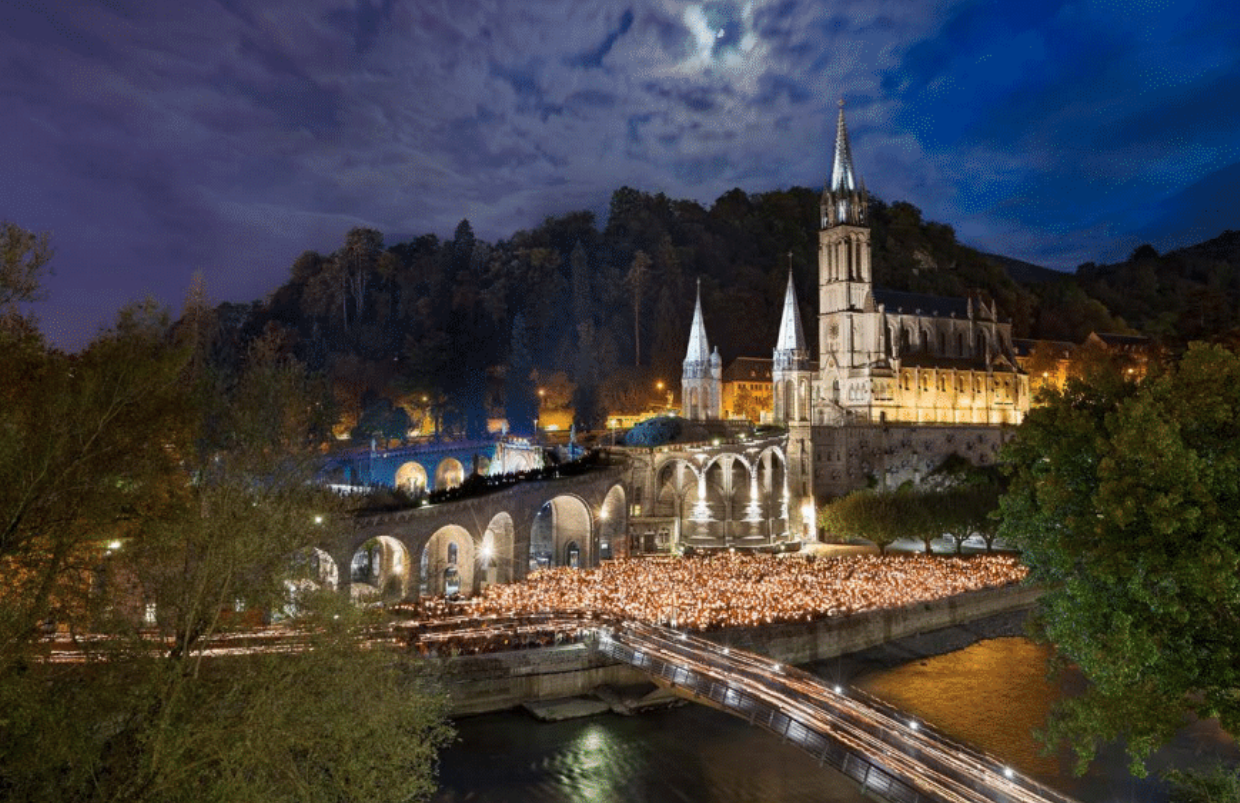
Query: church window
[
  {"x": 904, "y": 338},
  {"x": 943, "y": 344},
  {"x": 960, "y": 345}
]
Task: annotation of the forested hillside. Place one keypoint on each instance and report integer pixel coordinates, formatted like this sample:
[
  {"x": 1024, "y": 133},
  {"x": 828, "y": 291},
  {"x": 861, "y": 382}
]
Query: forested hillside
[
  {"x": 458, "y": 330},
  {"x": 1186, "y": 294}
]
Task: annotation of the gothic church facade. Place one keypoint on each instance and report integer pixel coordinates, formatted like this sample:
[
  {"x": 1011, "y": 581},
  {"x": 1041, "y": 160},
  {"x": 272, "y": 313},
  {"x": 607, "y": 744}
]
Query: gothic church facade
[{"x": 902, "y": 380}]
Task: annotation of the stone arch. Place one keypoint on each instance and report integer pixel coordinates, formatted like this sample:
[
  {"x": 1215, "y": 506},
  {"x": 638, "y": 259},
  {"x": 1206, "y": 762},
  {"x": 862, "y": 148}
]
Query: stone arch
[
  {"x": 612, "y": 520},
  {"x": 411, "y": 477},
  {"x": 673, "y": 481},
  {"x": 380, "y": 568},
  {"x": 447, "y": 564},
  {"x": 495, "y": 552},
  {"x": 561, "y": 520},
  {"x": 449, "y": 473}
]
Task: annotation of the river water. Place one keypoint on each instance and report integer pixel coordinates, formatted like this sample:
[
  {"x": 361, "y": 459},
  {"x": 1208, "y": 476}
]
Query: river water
[{"x": 991, "y": 694}]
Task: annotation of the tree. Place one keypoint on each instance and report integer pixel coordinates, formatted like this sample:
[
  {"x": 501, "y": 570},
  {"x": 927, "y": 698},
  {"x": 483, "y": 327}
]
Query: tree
[
  {"x": 1125, "y": 498},
  {"x": 23, "y": 259},
  {"x": 520, "y": 396},
  {"x": 382, "y": 420},
  {"x": 872, "y": 515},
  {"x": 639, "y": 270},
  {"x": 358, "y": 262},
  {"x": 141, "y": 482}
]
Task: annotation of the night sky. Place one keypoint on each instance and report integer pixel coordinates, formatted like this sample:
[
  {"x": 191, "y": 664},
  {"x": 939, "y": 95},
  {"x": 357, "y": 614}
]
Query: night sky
[{"x": 154, "y": 139}]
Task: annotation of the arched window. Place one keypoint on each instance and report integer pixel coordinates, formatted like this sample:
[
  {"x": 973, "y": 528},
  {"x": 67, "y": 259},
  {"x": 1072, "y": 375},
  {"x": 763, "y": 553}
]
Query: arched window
[
  {"x": 453, "y": 551},
  {"x": 942, "y": 344},
  {"x": 960, "y": 345}
]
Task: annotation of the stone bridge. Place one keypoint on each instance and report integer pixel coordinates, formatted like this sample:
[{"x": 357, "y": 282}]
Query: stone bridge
[{"x": 459, "y": 547}]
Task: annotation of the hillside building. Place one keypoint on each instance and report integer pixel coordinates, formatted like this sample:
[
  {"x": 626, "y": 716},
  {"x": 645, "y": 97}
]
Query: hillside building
[{"x": 901, "y": 380}]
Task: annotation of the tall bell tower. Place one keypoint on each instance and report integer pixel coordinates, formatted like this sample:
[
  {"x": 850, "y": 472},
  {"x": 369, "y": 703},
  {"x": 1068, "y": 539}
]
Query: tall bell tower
[{"x": 844, "y": 277}]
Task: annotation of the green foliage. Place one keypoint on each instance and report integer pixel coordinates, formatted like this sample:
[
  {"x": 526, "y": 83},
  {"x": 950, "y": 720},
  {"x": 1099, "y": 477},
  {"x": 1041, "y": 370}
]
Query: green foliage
[
  {"x": 23, "y": 260},
  {"x": 142, "y": 477},
  {"x": 1219, "y": 784},
  {"x": 872, "y": 515},
  {"x": 1190, "y": 293},
  {"x": 436, "y": 314},
  {"x": 1125, "y": 498}
]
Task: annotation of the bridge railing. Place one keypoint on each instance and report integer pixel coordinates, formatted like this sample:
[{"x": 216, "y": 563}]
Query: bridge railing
[{"x": 757, "y": 711}]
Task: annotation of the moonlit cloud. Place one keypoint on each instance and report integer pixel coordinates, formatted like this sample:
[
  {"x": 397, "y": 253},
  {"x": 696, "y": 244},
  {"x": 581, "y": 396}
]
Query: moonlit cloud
[{"x": 155, "y": 140}]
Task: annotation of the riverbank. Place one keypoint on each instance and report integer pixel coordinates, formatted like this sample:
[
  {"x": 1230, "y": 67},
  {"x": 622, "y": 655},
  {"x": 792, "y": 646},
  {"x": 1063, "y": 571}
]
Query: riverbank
[{"x": 480, "y": 684}]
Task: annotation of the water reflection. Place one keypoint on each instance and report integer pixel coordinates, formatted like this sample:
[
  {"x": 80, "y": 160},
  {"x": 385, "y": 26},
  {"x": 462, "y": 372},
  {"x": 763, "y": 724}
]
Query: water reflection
[
  {"x": 992, "y": 694},
  {"x": 685, "y": 754},
  {"x": 995, "y": 694}
]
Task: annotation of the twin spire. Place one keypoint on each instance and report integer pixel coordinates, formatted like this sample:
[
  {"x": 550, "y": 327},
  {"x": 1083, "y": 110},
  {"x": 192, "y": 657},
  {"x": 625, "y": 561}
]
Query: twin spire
[
  {"x": 791, "y": 334},
  {"x": 699, "y": 346}
]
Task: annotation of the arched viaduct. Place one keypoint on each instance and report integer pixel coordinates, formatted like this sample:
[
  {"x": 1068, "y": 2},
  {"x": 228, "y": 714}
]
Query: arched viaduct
[
  {"x": 460, "y": 546},
  {"x": 429, "y": 466}
]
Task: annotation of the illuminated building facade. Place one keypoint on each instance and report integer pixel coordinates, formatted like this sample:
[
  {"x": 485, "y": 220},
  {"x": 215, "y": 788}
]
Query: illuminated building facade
[{"x": 902, "y": 380}]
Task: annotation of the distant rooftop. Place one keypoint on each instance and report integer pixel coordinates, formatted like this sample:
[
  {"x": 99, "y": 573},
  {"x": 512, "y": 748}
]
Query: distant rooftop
[{"x": 920, "y": 303}]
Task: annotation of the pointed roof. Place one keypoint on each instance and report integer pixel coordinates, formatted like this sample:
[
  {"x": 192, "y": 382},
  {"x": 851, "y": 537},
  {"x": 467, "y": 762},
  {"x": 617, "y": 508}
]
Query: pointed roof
[
  {"x": 699, "y": 347},
  {"x": 843, "y": 178},
  {"x": 791, "y": 334}
]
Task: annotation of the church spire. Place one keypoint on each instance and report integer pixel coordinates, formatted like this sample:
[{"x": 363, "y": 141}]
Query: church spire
[
  {"x": 791, "y": 334},
  {"x": 844, "y": 199},
  {"x": 699, "y": 347},
  {"x": 843, "y": 179}
]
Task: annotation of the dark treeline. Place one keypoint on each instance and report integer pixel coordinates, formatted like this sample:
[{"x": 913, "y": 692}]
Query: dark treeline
[{"x": 457, "y": 331}]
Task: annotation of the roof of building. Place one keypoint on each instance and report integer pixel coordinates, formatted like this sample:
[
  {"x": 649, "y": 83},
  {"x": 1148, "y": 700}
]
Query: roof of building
[
  {"x": 791, "y": 333},
  {"x": 1024, "y": 346},
  {"x": 665, "y": 429},
  {"x": 699, "y": 346},
  {"x": 843, "y": 177},
  {"x": 749, "y": 369},
  {"x": 1130, "y": 341},
  {"x": 921, "y": 304}
]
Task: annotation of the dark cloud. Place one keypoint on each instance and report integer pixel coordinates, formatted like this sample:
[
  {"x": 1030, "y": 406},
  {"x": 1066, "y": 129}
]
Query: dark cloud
[
  {"x": 594, "y": 58},
  {"x": 228, "y": 136}
]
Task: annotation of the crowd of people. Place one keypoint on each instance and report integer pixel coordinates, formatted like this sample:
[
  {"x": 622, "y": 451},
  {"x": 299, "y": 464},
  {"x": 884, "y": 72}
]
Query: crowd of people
[{"x": 737, "y": 590}]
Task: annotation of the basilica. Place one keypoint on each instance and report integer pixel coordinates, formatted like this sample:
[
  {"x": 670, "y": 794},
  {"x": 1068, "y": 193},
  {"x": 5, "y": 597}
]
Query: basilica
[{"x": 900, "y": 380}]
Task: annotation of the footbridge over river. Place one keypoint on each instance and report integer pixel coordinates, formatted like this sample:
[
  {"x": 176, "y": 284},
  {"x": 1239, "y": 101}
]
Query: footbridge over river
[{"x": 891, "y": 755}]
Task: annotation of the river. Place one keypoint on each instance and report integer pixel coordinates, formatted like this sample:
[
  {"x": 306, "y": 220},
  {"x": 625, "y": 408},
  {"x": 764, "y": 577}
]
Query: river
[{"x": 991, "y": 693}]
